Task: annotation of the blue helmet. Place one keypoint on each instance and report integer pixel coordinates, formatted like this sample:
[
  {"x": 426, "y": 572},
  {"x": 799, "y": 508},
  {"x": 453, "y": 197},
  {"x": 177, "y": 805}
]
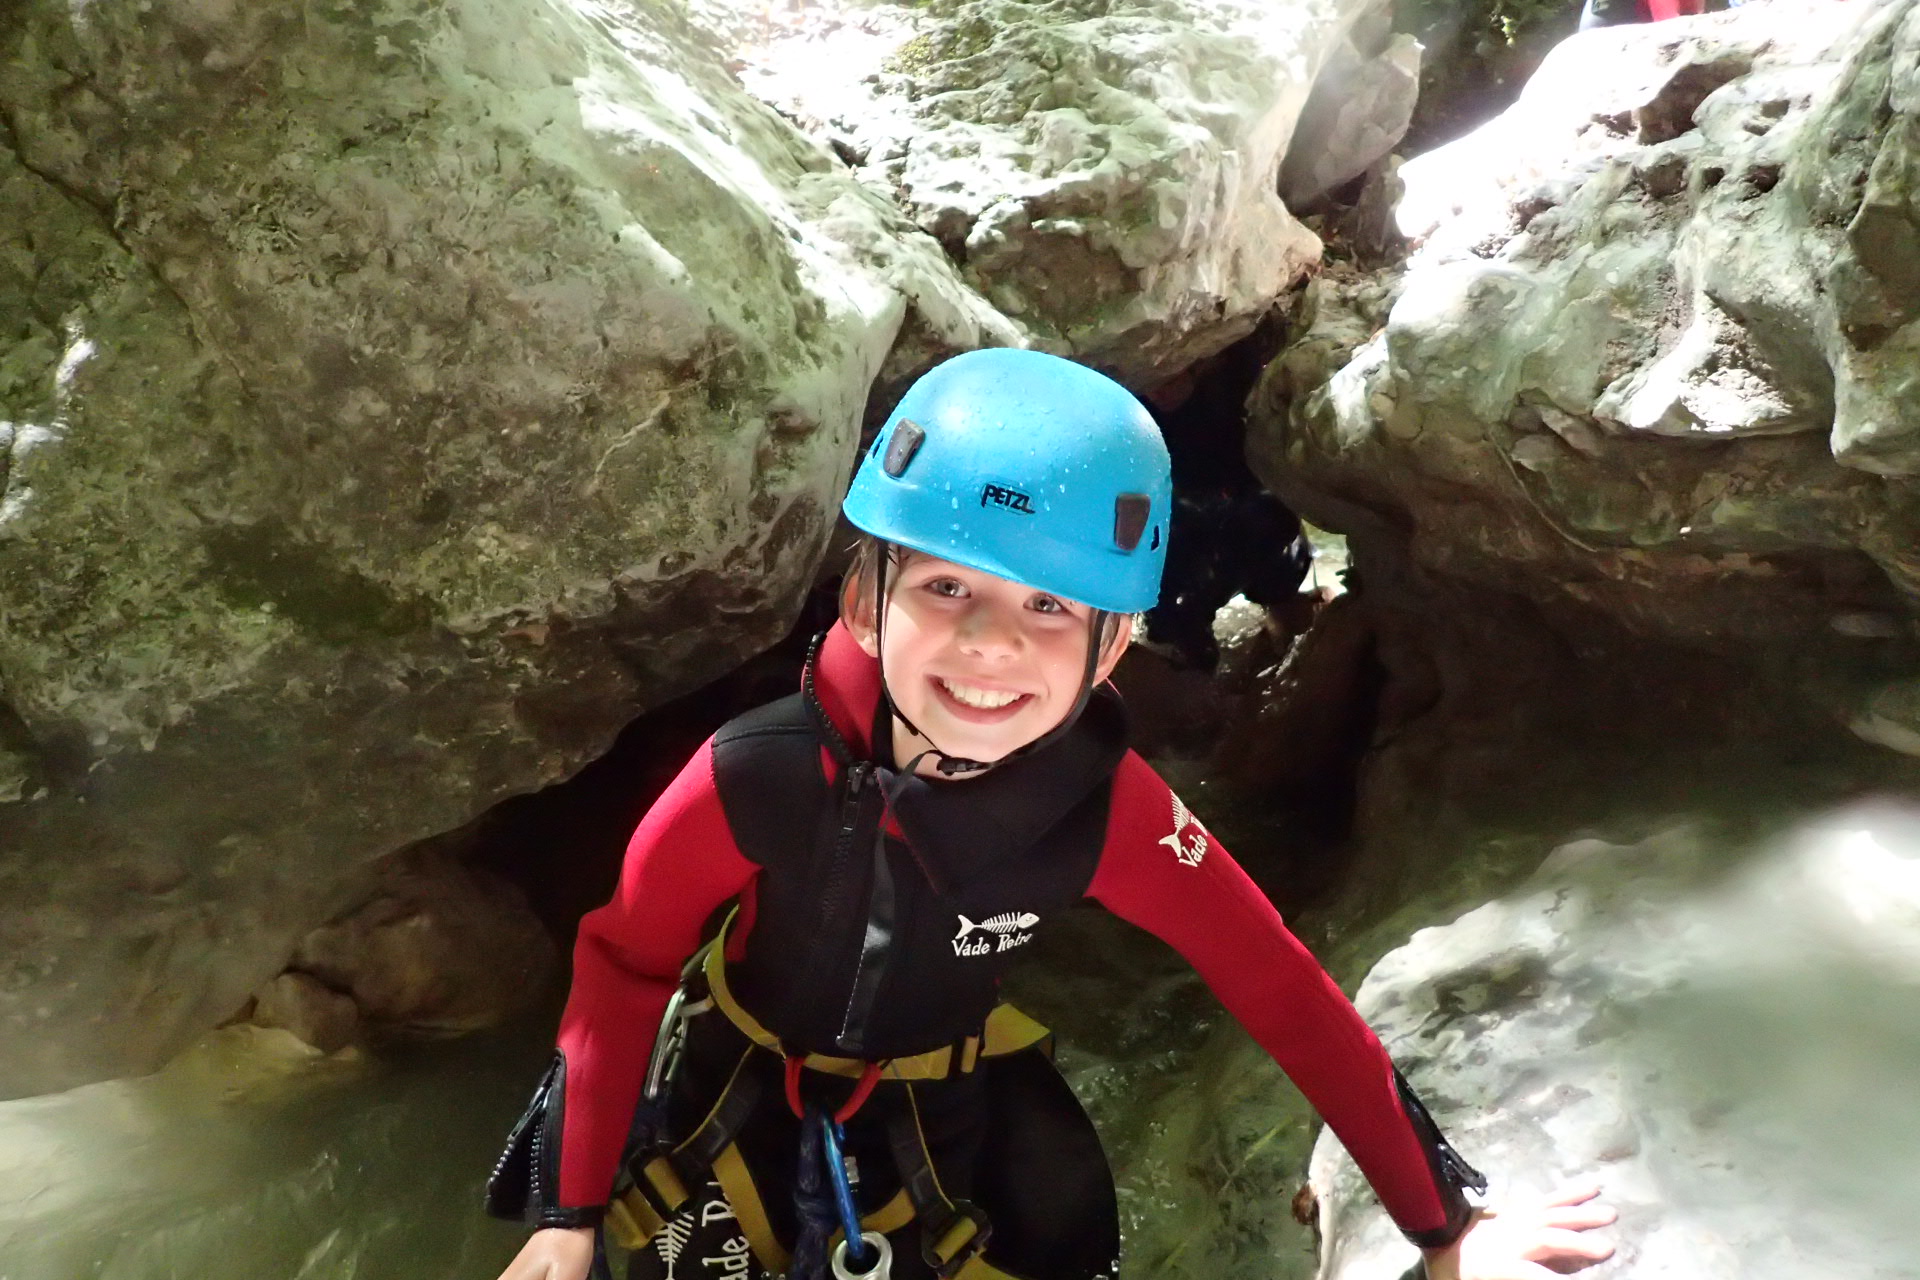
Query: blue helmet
[{"x": 1029, "y": 467}]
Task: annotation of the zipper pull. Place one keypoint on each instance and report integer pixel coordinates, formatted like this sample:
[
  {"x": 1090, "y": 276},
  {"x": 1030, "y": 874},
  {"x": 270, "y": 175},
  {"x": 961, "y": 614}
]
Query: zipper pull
[{"x": 1459, "y": 1171}]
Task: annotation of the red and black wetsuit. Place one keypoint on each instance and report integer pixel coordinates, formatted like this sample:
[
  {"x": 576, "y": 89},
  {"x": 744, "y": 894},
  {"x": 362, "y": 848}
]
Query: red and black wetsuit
[{"x": 851, "y": 944}]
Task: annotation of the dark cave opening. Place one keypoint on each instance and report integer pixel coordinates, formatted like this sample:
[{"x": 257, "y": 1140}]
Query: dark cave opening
[{"x": 562, "y": 845}]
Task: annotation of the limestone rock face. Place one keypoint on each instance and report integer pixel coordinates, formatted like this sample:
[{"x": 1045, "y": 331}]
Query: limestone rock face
[
  {"x": 1105, "y": 172},
  {"x": 1655, "y": 360},
  {"x": 1359, "y": 109},
  {"x": 437, "y": 947},
  {"x": 395, "y": 399},
  {"x": 1720, "y": 1035},
  {"x": 308, "y": 1009}
]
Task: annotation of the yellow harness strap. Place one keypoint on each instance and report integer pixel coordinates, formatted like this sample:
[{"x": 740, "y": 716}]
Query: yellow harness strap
[
  {"x": 1007, "y": 1031},
  {"x": 737, "y": 1182},
  {"x": 961, "y": 1237}
]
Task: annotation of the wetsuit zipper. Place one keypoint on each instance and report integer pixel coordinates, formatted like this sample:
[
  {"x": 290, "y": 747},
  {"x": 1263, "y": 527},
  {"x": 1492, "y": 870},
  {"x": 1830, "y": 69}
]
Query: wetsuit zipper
[
  {"x": 856, "y": 782},
  {"x": 876, "y": 946},
  {"x": 877, "y": 936}
]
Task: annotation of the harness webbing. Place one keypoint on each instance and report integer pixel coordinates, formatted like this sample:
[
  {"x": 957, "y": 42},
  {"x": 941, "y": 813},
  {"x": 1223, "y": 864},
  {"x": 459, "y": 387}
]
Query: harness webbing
[
  {"x": 1007, "y": 1030},
  {"x": 954, "y": 1232}
]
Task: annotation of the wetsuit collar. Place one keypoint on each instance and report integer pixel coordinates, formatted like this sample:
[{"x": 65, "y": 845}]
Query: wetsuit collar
[{"x": 847, "y": 683}]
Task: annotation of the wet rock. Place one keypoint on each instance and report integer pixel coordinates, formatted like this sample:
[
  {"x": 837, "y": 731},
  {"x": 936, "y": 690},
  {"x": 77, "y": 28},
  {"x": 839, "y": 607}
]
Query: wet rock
[
  {"x": 1358, "y": 111},
  {"x": 398, "y": 399},
  {"x": 436, "y": 946},
  {"x": 307, "y": 1008},
  {"x": 1891, "y": 717},
  {"x": 1643, "y": 367},
  {"x": 1312, "y": 715},
  {"x": 1105, "y": 173},
  {"x": 1709, "y": 1026}
]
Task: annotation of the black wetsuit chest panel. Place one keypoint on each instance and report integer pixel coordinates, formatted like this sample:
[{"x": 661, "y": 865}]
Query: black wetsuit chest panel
[{"x": 844, "y": 960}]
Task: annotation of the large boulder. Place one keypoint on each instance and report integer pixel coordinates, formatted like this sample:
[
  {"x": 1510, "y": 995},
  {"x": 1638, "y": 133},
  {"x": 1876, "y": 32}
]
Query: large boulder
[
  {"x": 1652, "y": 366},
  {"x": 1716, "y": 1027},
  {"x": 394, "y": 400},
  {"x": 1107, "y": 173}
]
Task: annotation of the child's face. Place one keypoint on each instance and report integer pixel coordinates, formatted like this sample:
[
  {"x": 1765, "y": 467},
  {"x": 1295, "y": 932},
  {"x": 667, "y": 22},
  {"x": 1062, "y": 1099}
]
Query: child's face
[{"x": 980, "y": 664}]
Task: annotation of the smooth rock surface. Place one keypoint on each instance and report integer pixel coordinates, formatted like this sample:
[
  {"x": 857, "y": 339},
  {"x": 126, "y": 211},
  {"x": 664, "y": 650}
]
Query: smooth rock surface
[
  {"x": 1646, "y": 365},
  {"x": 1890, "y": 717},
  {"x": 313, "y": 1013},
  {"x": 1104, "y": 172},
  {"x": 398, "y": 398},
  {"x": 1359, "y": 109},
  {"x": 1722, "y": 1036}
]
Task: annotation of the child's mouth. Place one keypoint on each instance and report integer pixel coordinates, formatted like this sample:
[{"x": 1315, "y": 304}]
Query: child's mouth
[{"x": 971, "y": 702}]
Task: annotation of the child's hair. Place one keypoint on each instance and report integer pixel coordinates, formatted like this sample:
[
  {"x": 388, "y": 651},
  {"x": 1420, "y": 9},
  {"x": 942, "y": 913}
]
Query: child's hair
[
  {"x": 859, "y": 585},
  {"x": 863, "y": 566}
]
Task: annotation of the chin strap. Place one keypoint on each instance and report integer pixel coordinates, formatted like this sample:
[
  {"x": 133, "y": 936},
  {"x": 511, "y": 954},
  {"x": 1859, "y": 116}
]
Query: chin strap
[{"x": 951, "y": 765}]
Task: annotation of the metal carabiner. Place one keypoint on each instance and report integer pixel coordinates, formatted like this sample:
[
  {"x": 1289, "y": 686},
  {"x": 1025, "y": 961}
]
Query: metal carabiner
[
  {"x": 882, "y": 1268},
  {"x": 670, "y": 1039},
  {"x": 668, "y": 1042}
]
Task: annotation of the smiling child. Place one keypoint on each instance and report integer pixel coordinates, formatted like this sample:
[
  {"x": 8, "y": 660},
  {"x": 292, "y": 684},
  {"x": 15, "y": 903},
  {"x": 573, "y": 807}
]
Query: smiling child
[{"x": 795, "y": 986}]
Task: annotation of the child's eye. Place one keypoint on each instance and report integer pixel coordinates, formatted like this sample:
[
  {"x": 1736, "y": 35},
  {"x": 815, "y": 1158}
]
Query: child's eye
[
  {"x": 1049, "y": 604},
  {"x": 946, "y": 587}
]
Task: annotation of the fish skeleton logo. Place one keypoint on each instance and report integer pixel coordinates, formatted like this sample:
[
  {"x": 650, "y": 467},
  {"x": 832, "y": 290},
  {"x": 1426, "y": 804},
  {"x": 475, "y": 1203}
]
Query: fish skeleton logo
[
  {"x": 1003, "y": 932},
  {"x": 1189, "y": 838}
]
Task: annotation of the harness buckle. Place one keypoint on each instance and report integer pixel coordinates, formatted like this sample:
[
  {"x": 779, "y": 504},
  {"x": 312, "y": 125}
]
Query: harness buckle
[{"x": 964, "y": 1236}]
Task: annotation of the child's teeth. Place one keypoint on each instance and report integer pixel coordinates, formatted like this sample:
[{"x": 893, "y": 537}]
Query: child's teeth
[{"x": 984, "y": 699}]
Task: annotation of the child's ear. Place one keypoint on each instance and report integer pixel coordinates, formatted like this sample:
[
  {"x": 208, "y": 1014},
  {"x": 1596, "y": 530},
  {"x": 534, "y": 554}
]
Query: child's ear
[
  {"x": 856, "y": 611},
  {"x": 1115, "y": 647}
]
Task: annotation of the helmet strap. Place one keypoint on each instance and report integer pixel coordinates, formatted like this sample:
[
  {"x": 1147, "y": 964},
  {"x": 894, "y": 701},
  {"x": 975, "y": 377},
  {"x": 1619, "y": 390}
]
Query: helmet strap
[{"x": 951, "y": 765}]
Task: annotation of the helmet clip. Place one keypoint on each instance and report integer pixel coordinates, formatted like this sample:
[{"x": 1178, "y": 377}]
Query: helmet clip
[{"x": 901, "y": 446}]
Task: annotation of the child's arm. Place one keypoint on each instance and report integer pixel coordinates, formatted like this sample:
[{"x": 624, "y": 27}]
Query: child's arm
[
  {"x": 680, "y": 865},
  {"x": 1162, "y": 871}
]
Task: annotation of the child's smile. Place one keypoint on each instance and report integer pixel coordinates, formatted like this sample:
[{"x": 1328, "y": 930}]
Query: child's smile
[
  {"x": 980, "y": 664},
  {"x": 978, "y": 701}
]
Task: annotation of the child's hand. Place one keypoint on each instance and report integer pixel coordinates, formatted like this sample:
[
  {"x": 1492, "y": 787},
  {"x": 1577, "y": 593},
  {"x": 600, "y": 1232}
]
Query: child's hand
[
  {"x": 1528, "y": 1240},
  {"x": 553, "y": 1253}
]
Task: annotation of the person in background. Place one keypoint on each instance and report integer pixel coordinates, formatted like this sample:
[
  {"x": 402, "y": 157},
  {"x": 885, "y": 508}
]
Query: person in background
[
  {"x": 1613, "y": 13},
  {"x": 1226, "y": 541}
]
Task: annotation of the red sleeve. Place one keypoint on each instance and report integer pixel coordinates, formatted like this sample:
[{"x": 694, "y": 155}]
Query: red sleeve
[
  {"x": 1162, "y": 871},
  {"x": 680, "y": 865}
]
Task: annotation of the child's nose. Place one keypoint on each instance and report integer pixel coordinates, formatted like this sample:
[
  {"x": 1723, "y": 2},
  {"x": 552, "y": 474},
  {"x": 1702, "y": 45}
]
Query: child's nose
[{"x": 989, "y": 631}]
